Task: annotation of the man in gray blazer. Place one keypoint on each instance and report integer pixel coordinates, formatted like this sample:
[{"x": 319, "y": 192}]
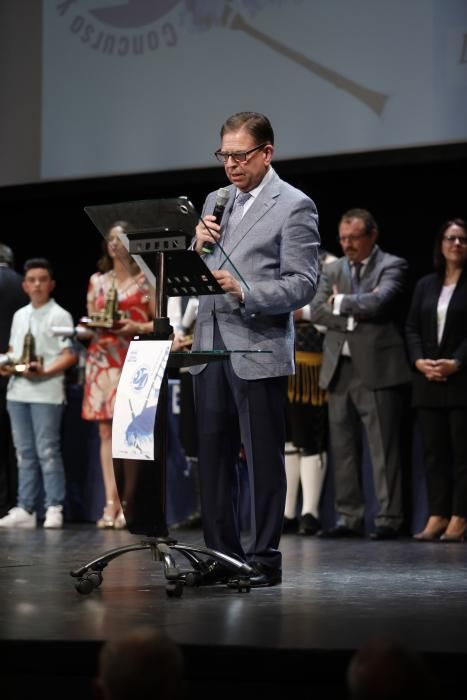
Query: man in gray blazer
[
  {"x": 267, "y": 266},
  {"x": 364, "y": 367}
]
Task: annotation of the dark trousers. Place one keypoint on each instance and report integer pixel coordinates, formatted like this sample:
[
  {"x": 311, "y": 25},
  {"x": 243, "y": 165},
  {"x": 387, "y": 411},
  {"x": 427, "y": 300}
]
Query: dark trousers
[
  {"x": 352, "y": 404},
  {"x": 444, "y": 436},
  {"x": 232, "y": 412}
]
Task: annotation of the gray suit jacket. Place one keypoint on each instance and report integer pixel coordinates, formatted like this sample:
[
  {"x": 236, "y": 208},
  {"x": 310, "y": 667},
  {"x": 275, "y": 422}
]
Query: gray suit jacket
[
  {"x": 376, "y": 344},
  {"x": 275, "y": 250}
]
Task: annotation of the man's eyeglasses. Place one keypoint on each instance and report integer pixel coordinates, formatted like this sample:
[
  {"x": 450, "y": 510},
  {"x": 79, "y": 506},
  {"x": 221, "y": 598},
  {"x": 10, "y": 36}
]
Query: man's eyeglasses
[
  {"x": 462, "y": 240},
  {"x": 351, "y": 239},
  {"x": 237, "y": 156}
]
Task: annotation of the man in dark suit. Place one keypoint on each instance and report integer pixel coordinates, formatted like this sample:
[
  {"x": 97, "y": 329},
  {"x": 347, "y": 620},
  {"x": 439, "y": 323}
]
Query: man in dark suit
[
  {"x": 364, "y": 366},
  {"x": 269, "y": 269},
  {"x": 12, "y": 297}
]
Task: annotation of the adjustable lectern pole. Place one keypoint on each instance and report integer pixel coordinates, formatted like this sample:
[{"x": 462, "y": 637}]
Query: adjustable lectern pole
[
  {"x": 162, "y": 327},
  {"x": 162, "y": 331}
]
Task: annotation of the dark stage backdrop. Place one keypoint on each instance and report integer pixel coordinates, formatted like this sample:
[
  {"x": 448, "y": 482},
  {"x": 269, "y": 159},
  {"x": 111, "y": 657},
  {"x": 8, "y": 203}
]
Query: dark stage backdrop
[{"x": 410, "y": 192}]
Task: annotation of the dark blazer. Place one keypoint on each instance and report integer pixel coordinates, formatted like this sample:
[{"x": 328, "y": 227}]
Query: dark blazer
[
  {"x": 12, "y": 297},
  {"x": 377, "y": 344},
  {"x": 422, "y": 341}
]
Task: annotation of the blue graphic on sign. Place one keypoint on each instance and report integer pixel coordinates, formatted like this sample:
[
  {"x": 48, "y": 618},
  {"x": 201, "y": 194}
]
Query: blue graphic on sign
[{"x": 140, "y": 378}]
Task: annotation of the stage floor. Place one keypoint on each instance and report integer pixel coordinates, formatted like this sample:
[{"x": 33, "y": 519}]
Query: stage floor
[{"x": 335, "y": 596}]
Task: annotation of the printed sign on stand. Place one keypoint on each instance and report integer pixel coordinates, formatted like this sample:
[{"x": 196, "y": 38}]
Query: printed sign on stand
[{"x": 137, "y": 397}]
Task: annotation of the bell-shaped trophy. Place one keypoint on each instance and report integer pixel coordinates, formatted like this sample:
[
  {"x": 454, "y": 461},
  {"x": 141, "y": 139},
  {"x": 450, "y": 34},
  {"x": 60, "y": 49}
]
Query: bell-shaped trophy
[
  {"x": 110, "y": 316},
  {"x": 28, "y": 356}
]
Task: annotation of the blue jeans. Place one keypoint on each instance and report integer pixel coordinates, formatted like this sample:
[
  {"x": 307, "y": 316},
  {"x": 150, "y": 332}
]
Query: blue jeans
[{"x": 36, "y": 436}]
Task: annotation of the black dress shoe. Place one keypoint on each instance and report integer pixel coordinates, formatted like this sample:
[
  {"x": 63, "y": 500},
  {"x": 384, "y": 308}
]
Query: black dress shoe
[
  {"x": 384, "y": 532},
  {"x": 339, "y": 531},
  {"x": 213, "y": 573},
  {"x": 308, "y": 525},
  {"x": 290, "y": 525},
  {"x": 262, "y": 576}
]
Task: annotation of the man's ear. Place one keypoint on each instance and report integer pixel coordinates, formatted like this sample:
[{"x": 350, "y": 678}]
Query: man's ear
[{"x": 268, "y": 153}]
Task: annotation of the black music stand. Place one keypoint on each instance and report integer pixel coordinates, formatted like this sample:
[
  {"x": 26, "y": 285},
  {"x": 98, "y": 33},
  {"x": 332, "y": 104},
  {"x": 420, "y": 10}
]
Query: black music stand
[{"x": 160, "y": 232}]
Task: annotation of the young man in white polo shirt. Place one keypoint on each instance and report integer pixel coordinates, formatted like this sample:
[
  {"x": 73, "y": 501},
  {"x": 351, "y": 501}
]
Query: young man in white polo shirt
[{"x": 35, "y": 399}]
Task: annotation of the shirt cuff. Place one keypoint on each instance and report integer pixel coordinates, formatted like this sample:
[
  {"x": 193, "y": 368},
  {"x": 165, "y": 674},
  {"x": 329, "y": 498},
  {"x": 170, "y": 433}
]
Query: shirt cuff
[{"x": 337, "y": 302}]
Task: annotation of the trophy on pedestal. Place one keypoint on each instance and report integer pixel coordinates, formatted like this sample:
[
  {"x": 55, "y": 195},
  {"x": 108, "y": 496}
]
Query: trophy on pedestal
[
  {"x": 110, "y": 316},
  {"x": 28, "y": 356}
]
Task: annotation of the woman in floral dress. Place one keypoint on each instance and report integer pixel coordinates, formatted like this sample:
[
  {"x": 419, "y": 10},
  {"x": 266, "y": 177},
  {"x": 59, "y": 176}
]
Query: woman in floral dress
[{"x": 107, "y": 351}]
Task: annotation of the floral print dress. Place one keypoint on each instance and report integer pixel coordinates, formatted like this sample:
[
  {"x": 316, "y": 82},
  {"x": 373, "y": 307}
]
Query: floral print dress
[{"x": 106, "y": 353}]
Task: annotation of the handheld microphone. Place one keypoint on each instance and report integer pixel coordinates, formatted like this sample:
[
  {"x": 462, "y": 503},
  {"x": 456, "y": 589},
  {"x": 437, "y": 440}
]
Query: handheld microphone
[{"x": 221, "y": 200}]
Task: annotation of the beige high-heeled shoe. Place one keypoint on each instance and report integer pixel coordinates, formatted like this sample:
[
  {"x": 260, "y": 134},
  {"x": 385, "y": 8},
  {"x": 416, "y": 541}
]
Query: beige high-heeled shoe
[
  {"x": 120, "y": 522},
  {"x": 455, "y": 531},
  {"x": 434, "y": 529},
  {"x": 107, "y": 521}
]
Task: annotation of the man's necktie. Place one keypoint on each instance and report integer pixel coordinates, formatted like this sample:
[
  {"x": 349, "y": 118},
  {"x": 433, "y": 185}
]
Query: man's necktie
[
  {"x": 236, "y": 216},
  {"x": 356, "y": 272}
]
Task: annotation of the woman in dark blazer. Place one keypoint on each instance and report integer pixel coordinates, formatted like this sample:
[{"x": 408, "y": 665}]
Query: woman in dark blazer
[{"x": 436, "y": 332}]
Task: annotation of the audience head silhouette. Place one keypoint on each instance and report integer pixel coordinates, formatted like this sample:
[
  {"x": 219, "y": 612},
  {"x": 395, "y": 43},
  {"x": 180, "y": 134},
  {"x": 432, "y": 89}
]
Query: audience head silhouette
[
  {"x": 6, "y": 255},
  {"x": 384, "y": 669},
  {"x": 141, "y": 664}
]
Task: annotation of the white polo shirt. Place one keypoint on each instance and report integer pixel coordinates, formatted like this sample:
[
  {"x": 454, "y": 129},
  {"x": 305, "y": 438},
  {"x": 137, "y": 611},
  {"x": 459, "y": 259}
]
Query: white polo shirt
[{"x": 39, "y": 322}]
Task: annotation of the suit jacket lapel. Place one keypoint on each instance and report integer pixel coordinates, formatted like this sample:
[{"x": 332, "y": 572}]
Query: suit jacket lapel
[
  {"x": 262, "y": 204},
  {"x": 457, "y": 295},
  {"x": 433, "y": 314},
  {"x": 367, "y": 279}
]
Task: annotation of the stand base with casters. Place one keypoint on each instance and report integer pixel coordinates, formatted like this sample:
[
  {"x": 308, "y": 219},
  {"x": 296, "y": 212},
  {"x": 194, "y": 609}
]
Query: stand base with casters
[{"x": 89, "y": 576}]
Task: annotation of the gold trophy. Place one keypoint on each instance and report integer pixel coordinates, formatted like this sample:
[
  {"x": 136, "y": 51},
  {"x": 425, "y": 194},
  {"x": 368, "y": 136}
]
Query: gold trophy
[
  {"x": 110, "y": 316},
  {"x": 28, "y": 356}
]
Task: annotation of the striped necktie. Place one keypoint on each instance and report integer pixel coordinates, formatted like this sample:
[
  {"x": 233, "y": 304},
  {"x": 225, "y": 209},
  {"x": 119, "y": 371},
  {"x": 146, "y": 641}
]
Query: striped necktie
[{"x": 236, "y": 215}]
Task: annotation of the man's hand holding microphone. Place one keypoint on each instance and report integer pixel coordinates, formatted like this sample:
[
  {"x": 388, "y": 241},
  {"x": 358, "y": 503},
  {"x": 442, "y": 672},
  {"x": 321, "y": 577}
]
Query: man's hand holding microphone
[{"x": 208, "y": 229}]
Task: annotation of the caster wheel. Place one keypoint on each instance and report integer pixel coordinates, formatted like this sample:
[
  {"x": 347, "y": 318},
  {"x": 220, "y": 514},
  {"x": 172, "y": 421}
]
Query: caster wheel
[
  {"x": 96, "y": 578},
  {"x": 192, "y": 578},
  {"x": 175, "y": 589},
  {"x": 89, "y": 582},
  {"x": 243, "y": 585},
  {"x": 84, "y": 586}
]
